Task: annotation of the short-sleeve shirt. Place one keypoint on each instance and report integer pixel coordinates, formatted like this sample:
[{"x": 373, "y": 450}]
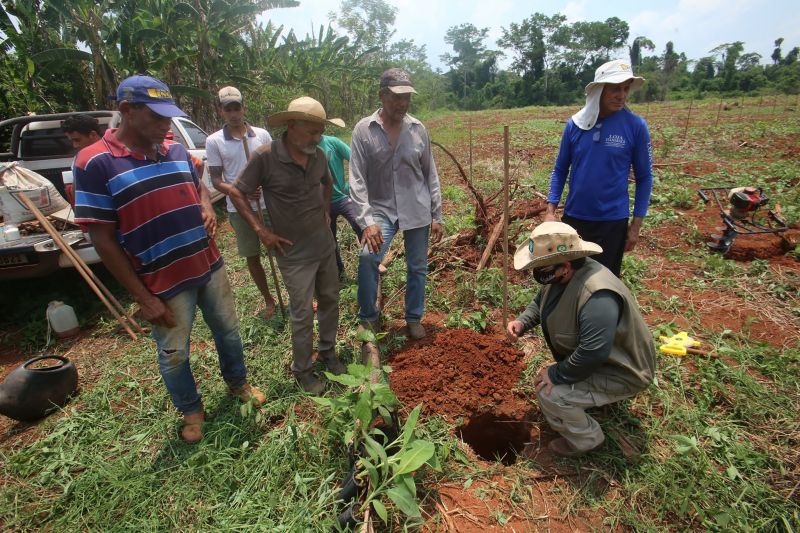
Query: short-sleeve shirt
[
  {"x": 294, "y": 200},
  {"x": 224, "y": 150},
  {"x": 155, "y": 207},
  {"x": 336, "y": 152}
]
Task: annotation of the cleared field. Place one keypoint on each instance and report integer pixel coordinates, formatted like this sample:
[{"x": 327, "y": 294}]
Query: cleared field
[{"x": 712, "y": 445}]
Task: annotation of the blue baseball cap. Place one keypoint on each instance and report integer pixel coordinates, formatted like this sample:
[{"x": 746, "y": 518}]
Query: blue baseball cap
[{"x": 154, "y": 93}]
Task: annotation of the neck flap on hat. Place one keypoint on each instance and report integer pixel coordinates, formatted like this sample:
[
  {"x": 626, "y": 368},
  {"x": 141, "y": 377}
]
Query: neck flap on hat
[{"x": 586, "y": 118}]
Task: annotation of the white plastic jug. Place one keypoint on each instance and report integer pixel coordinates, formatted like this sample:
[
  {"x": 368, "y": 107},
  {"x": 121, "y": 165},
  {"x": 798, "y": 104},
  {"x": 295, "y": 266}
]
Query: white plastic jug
[{"x": 62, "y": 319}]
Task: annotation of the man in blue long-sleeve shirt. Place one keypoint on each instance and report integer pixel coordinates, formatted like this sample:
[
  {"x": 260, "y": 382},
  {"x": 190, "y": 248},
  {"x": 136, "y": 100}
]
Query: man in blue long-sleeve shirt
[
  {"x": 599, "y": 146},
  {"x": 602, "y": 347}
]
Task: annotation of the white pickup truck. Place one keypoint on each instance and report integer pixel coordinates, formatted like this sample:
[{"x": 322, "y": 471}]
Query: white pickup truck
[{"x": 37, "y": 142}]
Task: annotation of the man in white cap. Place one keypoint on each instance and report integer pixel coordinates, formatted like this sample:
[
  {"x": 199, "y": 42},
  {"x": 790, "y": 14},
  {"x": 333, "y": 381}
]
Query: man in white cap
[
  {"x": 290, "y": 171},
  {"x": 395, "y": 186},
  {"x": 600, "y": 144},
  {"x": 591, "y": 322},
  {"x": 151, "y": 220},
  {"x": 227, "y": 151}
]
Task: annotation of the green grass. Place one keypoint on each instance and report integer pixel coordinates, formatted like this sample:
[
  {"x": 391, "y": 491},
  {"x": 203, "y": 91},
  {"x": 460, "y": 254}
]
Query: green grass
[{"x": 719, "y": 435}]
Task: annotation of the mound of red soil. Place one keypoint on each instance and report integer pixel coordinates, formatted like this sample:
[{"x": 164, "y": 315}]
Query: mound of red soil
[{"x": 460, "y": 373}]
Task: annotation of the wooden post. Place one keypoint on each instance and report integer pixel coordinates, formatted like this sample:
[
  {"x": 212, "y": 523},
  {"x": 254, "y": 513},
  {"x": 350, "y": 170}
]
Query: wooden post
[
  {"x": 102, "y": 292},
  {"x": 719, "y": 108},
  {"x": 470, "y": 149},
  {"x": 741, "y": 106},
  {"x": 505, "y": 227},
  {"x": 688, "y": 118},
  {"x": 774, "y": 102}
]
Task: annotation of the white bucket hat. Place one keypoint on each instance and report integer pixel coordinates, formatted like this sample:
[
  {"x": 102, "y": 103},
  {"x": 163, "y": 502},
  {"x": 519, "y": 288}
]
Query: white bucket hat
[
  {"x": 552, "y": 243},
  {"x": 304, "y": 108},
  {"x": 617, "y": 71}
]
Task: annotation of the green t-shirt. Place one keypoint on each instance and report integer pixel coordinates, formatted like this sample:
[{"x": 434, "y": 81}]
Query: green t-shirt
[{"x": 336, "y": 152}]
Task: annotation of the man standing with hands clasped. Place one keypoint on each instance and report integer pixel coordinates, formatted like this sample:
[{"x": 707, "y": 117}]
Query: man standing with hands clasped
[
  {"x": 290, "y": 171},
  {"x": 227, "y": 151},
  {"x": 394, "y": 184},
  {"x": 601, "y": 143}
]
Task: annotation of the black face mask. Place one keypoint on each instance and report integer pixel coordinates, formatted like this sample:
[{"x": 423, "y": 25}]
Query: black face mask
[{"x": 545, "y": 275}]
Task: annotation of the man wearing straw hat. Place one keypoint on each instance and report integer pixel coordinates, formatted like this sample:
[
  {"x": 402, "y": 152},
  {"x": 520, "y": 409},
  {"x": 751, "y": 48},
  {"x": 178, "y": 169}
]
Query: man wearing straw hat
[
  {"x": 395, "y": 186},
  {"x": 600, "y": 144},
  {"x": 152, "y": 223},
  {"x": 603, "y": 349},
  {"x": 290, "y": 171},
  {"x": 228, "y": 150}
]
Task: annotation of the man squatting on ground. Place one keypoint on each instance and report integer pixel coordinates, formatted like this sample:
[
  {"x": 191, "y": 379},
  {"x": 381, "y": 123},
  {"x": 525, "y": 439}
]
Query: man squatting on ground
[
  {"x": 394, "y": 184},
  {"x": 227, "y": 152},
  {"x": 602, "y": 346},
  {"x": 337, "y": 152},
  {"x": 152, "y": 223},
  {"x": 290, "y": 171},
  {"x": 599, "y": 145}
]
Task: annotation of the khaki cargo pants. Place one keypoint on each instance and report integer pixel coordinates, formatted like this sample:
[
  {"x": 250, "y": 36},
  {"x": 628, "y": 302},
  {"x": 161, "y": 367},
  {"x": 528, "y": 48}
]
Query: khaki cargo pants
[{"x": 564, "y": 408}]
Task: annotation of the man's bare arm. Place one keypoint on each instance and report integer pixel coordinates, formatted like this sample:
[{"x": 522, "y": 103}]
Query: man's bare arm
[{"x": 116, "y": 261}]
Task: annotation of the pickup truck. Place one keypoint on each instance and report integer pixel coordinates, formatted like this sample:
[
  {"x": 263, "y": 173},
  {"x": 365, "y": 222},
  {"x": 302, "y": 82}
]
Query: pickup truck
[{"x": 37, "y": 142}]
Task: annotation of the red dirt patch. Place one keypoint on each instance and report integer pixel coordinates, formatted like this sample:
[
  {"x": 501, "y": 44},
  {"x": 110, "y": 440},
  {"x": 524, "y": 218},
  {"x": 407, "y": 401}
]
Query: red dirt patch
[
  {"x": 482, "y": 506},
  {"x": 460, "y": 373}
]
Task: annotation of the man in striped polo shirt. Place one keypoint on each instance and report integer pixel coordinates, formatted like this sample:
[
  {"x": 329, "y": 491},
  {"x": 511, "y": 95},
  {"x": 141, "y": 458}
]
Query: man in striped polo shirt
[{"x": 152, "y": 223}]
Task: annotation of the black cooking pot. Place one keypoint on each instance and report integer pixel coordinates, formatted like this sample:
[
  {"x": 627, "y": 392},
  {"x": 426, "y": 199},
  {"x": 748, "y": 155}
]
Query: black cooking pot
[{"x": 33, "y": 390}]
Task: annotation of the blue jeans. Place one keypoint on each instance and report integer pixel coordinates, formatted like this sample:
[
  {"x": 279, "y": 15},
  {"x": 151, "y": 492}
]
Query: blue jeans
[
  {"x": 347, "y": 208},
  {"x": 416, "y": 245},
  {"x": 215, "y": 300}
]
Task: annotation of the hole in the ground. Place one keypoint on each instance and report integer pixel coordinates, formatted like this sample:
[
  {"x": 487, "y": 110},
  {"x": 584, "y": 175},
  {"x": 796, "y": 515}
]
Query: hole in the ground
[{"x": 493, "y": 438}]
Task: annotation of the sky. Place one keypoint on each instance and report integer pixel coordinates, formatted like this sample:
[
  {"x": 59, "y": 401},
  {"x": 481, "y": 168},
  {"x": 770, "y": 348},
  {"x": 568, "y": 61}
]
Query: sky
[{"x": 694, "y": 26}]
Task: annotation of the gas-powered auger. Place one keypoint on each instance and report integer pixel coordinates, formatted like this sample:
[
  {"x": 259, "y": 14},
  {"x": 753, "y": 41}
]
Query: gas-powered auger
[{"x": 743, "y": 216}]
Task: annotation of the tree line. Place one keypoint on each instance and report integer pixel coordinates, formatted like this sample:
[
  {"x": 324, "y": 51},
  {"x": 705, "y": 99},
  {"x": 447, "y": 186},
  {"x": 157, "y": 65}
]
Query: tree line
[{"x": 60, "y": 55}]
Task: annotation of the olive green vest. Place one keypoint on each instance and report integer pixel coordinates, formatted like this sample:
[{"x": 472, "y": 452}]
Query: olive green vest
[{"x": 633, "y": 355}]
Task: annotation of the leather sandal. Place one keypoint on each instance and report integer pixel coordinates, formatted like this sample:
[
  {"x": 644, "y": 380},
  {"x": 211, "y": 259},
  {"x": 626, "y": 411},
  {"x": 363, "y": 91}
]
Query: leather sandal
[{"x": 192, "y": 430}]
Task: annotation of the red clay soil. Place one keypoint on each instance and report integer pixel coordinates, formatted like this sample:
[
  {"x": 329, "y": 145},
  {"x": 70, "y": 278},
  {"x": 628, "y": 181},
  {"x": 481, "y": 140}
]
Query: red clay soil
[
  {"x": 460, "y": 373},
  {"x": 470, "y": 379}
]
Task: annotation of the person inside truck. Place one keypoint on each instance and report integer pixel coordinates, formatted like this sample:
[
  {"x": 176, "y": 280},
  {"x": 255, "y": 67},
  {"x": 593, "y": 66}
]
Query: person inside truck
[{"x": 83, "y": 130}]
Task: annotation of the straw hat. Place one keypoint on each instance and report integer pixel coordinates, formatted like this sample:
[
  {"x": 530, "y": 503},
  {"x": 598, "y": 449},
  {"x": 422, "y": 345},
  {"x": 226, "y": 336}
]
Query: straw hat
[
  {"x": 304, "y": 108},
  {"x": 552, "y": 243},
  {"x": 616, "y": 71}
]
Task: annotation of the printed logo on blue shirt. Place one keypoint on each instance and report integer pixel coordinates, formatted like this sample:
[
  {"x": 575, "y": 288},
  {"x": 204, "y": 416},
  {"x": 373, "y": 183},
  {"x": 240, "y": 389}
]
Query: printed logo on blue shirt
[{"x": 615, "y": 141}]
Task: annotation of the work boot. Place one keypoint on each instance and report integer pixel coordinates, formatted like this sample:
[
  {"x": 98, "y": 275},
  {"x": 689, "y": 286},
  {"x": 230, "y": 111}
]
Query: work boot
[
  {"x": 192, "y": 429},
  {"x": 563, "y": 448},
  {"x": 415, "y": 330},
  {"x": 248, "y": 393},
  {"x": 309, "y": 383},
  {"x": 335, "y": 366}
]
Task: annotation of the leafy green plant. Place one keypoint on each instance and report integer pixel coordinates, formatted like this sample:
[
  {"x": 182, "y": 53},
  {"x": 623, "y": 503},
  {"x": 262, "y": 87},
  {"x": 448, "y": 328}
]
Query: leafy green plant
[
  {"x": 477, "y": 320},
  {"x": 384, "y": 462}
]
